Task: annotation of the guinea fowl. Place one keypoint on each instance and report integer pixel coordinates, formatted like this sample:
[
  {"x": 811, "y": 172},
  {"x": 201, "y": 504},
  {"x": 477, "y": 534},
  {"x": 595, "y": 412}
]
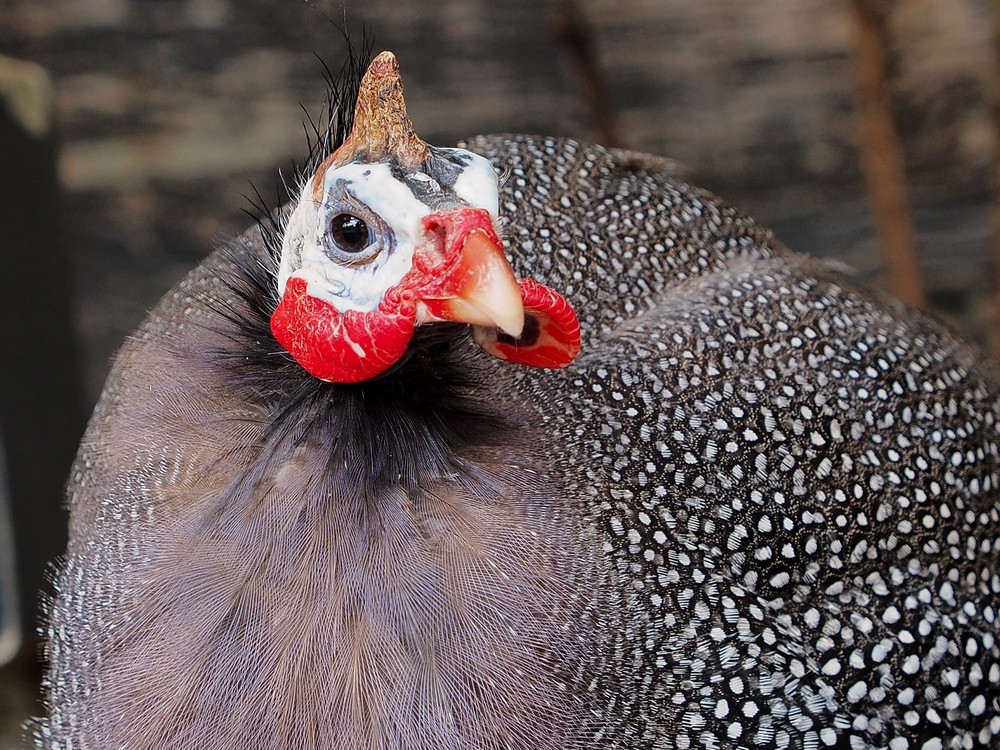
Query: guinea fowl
[{"x": 758, "y": 509}]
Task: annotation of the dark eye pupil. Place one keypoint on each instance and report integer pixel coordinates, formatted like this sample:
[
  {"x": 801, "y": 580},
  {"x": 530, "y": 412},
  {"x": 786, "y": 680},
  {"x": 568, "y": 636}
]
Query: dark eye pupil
[{"x": 349, "y": 233}]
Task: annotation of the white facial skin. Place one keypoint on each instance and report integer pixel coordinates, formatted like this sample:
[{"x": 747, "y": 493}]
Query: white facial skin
[
  {"x": 305, "y": 246},
  {"x": 477, "y": 184}
]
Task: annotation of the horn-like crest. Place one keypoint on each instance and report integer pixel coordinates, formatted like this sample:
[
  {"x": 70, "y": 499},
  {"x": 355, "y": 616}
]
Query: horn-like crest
[{"x": 382, "y": 129}]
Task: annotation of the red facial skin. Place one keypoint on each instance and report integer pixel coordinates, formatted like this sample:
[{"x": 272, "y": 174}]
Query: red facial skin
[
  {"x": 353, "y": 346},
  {"x": 341, "y": 347}
]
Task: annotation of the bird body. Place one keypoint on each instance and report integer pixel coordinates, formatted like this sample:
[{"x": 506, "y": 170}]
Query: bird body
[{"x": 759, "y": 508}]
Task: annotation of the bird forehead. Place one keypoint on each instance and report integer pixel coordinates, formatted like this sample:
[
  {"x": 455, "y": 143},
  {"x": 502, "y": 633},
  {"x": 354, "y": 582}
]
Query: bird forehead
[{"x": 450, "y": 177}]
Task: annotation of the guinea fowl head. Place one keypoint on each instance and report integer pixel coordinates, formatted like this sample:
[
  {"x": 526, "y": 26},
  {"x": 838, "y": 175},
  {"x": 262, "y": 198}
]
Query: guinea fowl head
[{"x": 390, "y": 234}]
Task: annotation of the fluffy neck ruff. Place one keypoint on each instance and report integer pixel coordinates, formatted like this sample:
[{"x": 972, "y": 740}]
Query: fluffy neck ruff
[{"x": 381, "y": 565}]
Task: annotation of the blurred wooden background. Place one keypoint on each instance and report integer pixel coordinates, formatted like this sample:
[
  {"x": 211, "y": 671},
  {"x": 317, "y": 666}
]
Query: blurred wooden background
[{"x": 167, "y": 110}]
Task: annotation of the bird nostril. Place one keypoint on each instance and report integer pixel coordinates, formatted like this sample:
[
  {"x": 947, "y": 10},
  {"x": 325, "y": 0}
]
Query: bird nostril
[{"x": 435, "y": 227}]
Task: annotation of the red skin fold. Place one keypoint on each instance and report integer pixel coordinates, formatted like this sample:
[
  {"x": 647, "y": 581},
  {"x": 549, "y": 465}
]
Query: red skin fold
[{"x": 342, "y": 347}]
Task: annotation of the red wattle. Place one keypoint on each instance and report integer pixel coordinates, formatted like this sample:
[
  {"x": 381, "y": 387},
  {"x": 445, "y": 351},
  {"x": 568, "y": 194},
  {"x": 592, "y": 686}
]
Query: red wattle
[
  {"x": 340, "y": 347},
  {"x": 551, "y": 337}
]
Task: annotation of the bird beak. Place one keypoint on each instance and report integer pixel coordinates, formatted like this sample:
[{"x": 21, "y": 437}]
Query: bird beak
[{"x": 473, "y": 282}]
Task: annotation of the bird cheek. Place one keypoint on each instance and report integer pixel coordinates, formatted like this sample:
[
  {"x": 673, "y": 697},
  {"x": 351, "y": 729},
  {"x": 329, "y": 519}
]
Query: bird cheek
[{"x": 340, "y": 347}]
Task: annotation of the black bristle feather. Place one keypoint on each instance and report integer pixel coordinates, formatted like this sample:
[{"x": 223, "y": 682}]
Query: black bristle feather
[{"x": 324, "y": 134}]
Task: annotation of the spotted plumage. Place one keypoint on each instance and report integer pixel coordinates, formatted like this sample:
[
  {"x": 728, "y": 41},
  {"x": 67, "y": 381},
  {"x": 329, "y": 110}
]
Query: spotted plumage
[
  {"x": 759, "y": 510},
  {"x": 796, "y": 486}
]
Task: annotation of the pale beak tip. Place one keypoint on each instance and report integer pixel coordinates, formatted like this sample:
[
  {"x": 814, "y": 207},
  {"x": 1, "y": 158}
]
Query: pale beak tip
[{"x": 513, "y": 323}]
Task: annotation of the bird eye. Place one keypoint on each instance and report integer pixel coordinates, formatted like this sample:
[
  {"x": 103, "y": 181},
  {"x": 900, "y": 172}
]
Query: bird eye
[{"x": 349, "y": 233}]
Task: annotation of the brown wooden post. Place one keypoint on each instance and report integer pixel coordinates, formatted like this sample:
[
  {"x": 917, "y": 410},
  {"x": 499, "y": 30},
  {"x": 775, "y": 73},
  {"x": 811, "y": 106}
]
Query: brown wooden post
[
  {"x": 994, "y": 330},
  {"x": 882, "y": 154}
]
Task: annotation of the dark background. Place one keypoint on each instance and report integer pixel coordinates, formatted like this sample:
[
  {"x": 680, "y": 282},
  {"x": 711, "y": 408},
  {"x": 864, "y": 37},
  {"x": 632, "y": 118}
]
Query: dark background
[{"x": 166, "y": 111}]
